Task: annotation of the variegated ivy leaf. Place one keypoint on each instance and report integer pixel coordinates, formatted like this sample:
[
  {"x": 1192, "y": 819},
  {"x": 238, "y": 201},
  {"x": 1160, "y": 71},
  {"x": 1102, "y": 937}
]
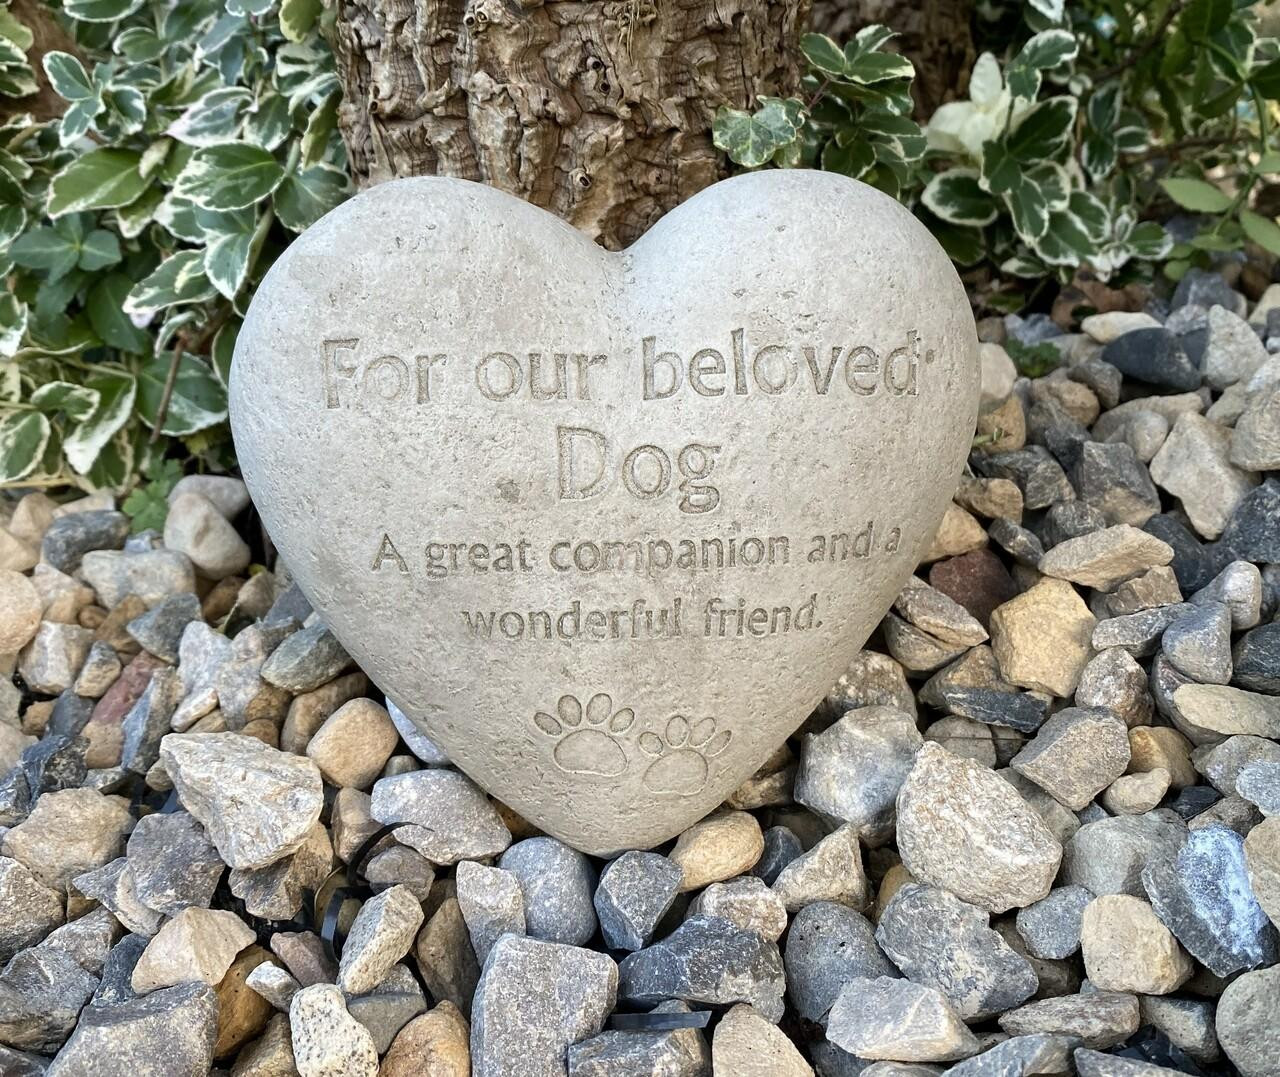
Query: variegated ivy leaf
[
  {"x": 68, "y": 77},
  {"x": 1054, "y": 183},
  {"x": 198, "y": 400},
  {"x": 222, "y": 350},
  {"x": 306, "y": 196},
  {"x": 1043, "y": 52},
  {"x": 872, "y": 67},
  {"x": 23, "y": 437},
  {"x": 751, "y": 139},
  {"x": 1045, "y": 131},
  {"x": 1065, "y": 241},
  {"x": 1050, "y": 9},
  {"x": 228, "y": 254},
  {"x": 321, "y": 125},
  {"x": 268, "y": 122},
  {"x": 1024, "y": 265},
  {"x": 100, "y": 179},
  {"x": 230, "y": 176},
  {"x": 105, "y": 307},
  {"x": 824, "y": 54},
  {"x": 1092, "y": 214},
  {"x": 1028, "y": 210},
  {"x": 13, "y": 323},
  {"x": 851, "y": 159},
  {"x": 100, "y": 10},
  {"x": 180, "y": 278},
  {"x": 115, "y": 391},
  {"x": 298, "y": 17},
  {"x": 214, "y": 118},
  {"x": 76, "y": 402},
  {"x": 957, "y": 198}
]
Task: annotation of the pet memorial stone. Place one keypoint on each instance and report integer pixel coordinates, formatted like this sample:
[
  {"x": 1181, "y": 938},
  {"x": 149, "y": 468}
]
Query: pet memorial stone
[{"x": 606, "y": 526}]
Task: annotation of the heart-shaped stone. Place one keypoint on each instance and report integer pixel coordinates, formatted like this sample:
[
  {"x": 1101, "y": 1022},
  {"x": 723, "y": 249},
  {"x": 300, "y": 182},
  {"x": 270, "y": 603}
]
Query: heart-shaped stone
[{"x": 607, "y": 526}]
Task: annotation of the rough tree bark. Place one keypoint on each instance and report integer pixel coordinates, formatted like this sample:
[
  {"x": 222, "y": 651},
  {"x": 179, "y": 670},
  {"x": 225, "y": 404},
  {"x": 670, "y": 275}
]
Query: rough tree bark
[
  {"x": 597, "y": 110},
  {"x": 936, "y": 35}
]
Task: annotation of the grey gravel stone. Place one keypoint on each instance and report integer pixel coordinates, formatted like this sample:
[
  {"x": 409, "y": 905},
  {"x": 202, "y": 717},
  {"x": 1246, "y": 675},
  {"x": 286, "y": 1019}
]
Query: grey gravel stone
[
  {"x": 1203, "y": 896},
  {"x": 964, "y": 829},
  {"x": 148, "y": 720},
  {"x": 1076, "y": 754},
  {"x": 445, "y": 956},
  {"x": 29, "y": 910},
  {"x": 852, "y": 771},
  {"x": 1194, "y": 466},
  {"x": 492, "y": 904},
  {"x": 1107, "y": 558},
  {"x": 152, "y": 575},
  {"x": 1153, "y": 356},
  {"x": 1239, "y": 588},
  {"x": 831, "y": 871},
  {"x": 41, "y": 992},
  {"x": 306, "y": 660},
  {"x": 1248, "y": 1022},
  {"x": 202, "y": 652},
  {"x": 196, "y": 527},
  {"x": 1113, "y": 480},
  {"x": 1138, "y": 633},
  {"x": 160, "y": 629},
  {"x": 1188, "y": 1022},
  {"x": 70, "y": 537},
  {"x": 894, "y": 1019},
  {"x": 1199, "y": 644},
  {"x": 1021, "y": 1056},
  {"x": 534, "y": 999},
  {"x": 113, "y": 885},
  {"x": 1108, "y": 856},
  {"x": 173, "y": 862},
  {"x": 827, "y": 946},
  {"x": 1256, "y": 659},
  {"x": 634, "y": 893},
  {"x": 746, "y": 902},
  {"x": 1098, "y": 1019},
  {"x": 709, "y": 960},
  {"x": 945, "y": 943},
  {"x": 50, "y": 663},
  {"x": 1051, "y": 927},
  {"x": 168, "y": 1033},
  {"x": 557, "y": 883},
  {"x": 680, "y": 1052},
  {"x": 1114, "y": 680},
  {"x": 387, "y": 1008},
  {"x": 781, "y": 846},
  {"x": 1095, "y": 1064},
  {"x": 1223, "y": 764},
  {"x": 1232, "y": 349},
  {"x": 451, "y": 817},
  {"x": 256, "y": 803}
]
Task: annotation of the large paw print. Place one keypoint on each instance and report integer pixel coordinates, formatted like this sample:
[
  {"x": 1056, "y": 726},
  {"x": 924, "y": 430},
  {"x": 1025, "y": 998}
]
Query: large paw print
[
  {"x": 586, "y": 741},
  {"x": 682, "y": 754}
]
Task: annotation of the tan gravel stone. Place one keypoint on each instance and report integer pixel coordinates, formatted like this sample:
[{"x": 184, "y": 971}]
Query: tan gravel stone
[
  {"x": 1104, "y": 559},
  {"x": 327, "y": 1040},
  {"x": 1133, "y": 794},
  {"x": 1041, "y": 639},
  {"x": 20, "y": 611},
  {"x": 745, "y": 1044},
  {"x": 437, "y": 1044},
  {"x": 354, "y": 744},
  {"x": 197, "y": 944},
  {"x": 1162, "y": 747},
  {"x": 68, "y": 832},
  {"x": 717, "y": 848},
  {"x": 1262, "y": 858},
  {"x": 959, "y": 533},
  {"x": 1127, "y": 948}
]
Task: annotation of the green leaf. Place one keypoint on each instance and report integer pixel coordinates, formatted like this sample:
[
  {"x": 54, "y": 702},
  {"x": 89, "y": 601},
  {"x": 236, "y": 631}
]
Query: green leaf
[
  {"x": 298, "y": 17},
  {"x": 180, "y": 278},
  {"x": 1264, "y": 231},
  {"x": 230, "y": 176},
  {"x": 1065, "y": 241},
  {"x": 1044, "y": 130},
  {"x": 198, "y": 399},
  {"x": 46, "y": 249},
  {"x": 852, "y": 160},
  {"x": 101, "y": 179},
  {"x": 1029, "y": 211},
  {"x": 321, "y": 124},
  {"x": 13, "y": 219},
  {"x": 824, "y": 54},
  {"x": 1001, "y": 171},
  {"x": 964, "y": 246},
  {"x": 1196, "y": 195},
  {"x": 15, "y": 31},
  {"x": 1150, "y": 241},
  {"x": 268, "y": 123},
  {"x": 23, "y": 437},
  {"x": 13, "y": 323},
  {"x": 76, "y": 402},
  {"x": 751, "y": 139},
  {"x": 957, "y": 198},
  {"x": 227, "y": 260},
  {"x": 1266, "y": 80},
  {"x": 99, "y": 250},
  {"x": 116, "y": 391},
  {"x": 105, "y": 307},
  {"x": 212, "y": 119},
  {"x": 100, "y": 10},
  {"x": 1043, "y": 52},
  {"x": 307, "y": 196},
  {"x": 873, "y": 67},
  {"x": 68, "y": 77},
  {"x": 223, "y": 351},
  {"x": 1201, "y": 19}
]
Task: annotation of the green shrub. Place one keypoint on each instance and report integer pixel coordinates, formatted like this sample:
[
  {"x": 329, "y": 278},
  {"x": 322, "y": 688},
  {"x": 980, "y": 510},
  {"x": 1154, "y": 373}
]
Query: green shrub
[
  {"x": 197, "y": 138},
  {"x": 1067, "y": 152}
]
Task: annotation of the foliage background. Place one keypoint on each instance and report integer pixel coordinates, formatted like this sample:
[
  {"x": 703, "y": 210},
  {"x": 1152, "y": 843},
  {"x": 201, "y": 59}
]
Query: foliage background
[
  {"x": 197, "y": 139},
  {"x": 188, "y": 142}
]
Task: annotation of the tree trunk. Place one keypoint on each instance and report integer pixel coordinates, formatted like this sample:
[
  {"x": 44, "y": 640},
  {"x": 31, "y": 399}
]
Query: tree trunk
[
  {"x": 936, "y": 35},
  {"x": 598, "y": 111}
]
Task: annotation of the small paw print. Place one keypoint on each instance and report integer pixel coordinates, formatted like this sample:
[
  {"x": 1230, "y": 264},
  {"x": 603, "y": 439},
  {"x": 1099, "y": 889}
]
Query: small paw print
[
  {"x": 681, "y": 755},
  {"x": 590, "y": 748}
]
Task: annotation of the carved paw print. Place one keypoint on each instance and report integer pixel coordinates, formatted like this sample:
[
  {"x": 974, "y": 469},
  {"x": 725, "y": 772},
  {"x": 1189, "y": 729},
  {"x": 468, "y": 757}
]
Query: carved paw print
[
  {"x": 586, "y": 741},
  {"x": 681, "y": 754}
]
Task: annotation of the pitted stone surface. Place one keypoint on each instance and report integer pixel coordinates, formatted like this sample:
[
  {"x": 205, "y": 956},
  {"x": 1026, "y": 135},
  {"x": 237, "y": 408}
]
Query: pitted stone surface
[{"x": 643, "y": 416}]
